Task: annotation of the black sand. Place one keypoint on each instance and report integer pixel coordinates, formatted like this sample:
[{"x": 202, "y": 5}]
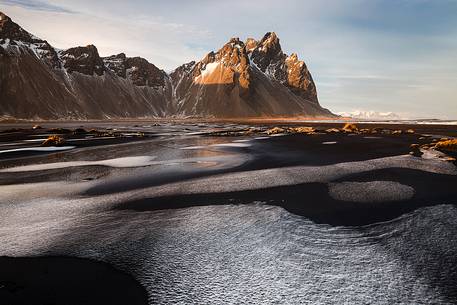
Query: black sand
[
  {"x": 65, "y": 280},
  {"x": 56, "y": 280}
]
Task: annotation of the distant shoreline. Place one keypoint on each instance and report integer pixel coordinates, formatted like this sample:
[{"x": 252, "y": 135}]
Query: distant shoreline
[{"x": 282, "y": 120}]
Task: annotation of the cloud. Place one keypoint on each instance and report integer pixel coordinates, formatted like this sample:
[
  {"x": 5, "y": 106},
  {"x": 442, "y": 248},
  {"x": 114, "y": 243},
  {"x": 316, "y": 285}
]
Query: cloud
[{"x": 37, "y": 6}]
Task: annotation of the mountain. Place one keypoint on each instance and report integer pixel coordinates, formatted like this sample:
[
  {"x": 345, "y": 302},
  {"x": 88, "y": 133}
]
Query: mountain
[
  {"x": 371, "y": 115},
  {"x": 248, "y": 79},
  {"x": 242, "y": 79}
]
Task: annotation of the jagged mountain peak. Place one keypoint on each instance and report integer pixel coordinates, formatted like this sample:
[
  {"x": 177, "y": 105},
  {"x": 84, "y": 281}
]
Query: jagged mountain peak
[
  {"x": 292, "y": 57},
  {"x": 269, "y": 39},
  {"x": 269, "y": 45},
  {"x": 14, "y": 40},
  {"x": 267, "y": 52},
  {"x": 85, "y": 60},
  {"x": 251, "y": 44},
  {"x": 11, "y": 30},
  {"x": 236, "y": 41},
  {"x": 3, "y": 18}
]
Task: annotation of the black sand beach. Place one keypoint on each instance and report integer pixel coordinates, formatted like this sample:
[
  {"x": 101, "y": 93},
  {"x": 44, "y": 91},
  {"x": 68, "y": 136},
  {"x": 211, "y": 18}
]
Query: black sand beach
[{"x": 98, "y": 198}]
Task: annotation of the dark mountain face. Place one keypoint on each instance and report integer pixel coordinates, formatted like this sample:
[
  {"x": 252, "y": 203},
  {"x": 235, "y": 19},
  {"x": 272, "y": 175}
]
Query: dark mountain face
[
  {"x": 11, "y": 30},
  {"x": 116, "y": 63},
  {"x": 137, "y": 69},
  {"x": 84, "y": 60},
  {"x": 11, "y": 34},
  {"x": 240, "y": 80},
  {"x": 143, "y": 73}
]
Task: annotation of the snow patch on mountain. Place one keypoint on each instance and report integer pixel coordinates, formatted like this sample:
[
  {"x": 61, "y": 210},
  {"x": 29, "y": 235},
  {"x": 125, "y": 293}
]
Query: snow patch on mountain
[{"x": 209, "y": 69}]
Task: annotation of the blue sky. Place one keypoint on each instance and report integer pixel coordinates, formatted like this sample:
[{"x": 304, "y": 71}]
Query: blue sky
[{"x": 398, "y": 56}]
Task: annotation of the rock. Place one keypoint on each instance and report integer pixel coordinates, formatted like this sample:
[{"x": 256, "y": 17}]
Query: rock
[
  {"x": 376, "y": 130},
  {"x": 36, "y": 127},
  {"x": 332, "y": 130},
  {"x": 447, "y": 145},
  {"x": 53, "y": 141},
  {"x": 397, "y": 131},
  {"x": 350, "y": 127},
  {"x": 301, "y": 130},
  {"x": 450, "y": 159},
  {"x": 275, "y": 130},
  {"x": 415, "y": 150},
  {"x": 410, "y": 131}
]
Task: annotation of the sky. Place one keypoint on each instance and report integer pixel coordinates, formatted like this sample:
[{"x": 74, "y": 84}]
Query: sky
[{"x": 368, "y": 55}]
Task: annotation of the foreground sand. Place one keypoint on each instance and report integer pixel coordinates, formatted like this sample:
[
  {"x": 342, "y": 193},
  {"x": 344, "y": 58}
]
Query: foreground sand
[{"x": 335, "y": 179}]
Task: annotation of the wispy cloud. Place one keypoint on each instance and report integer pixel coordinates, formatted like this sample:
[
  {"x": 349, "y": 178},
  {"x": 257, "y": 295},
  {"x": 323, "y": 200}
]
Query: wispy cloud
[{"x": 38, "y": 6}]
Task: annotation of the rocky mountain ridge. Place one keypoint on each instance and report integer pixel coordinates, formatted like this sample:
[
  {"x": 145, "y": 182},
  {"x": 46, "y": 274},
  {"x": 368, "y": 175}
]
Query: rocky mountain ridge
[{"x": 242, "y": 79}]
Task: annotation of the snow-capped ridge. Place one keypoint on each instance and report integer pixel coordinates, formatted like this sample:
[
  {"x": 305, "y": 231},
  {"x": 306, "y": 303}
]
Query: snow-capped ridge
[{"x": 371, "y": 115}]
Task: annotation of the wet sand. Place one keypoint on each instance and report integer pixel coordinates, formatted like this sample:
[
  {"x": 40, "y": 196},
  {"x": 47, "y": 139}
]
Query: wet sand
[{"x": 335, "y": 179}]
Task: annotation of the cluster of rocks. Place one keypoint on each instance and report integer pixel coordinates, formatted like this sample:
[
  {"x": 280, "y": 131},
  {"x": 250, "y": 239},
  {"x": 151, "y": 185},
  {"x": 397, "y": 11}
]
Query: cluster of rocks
[
  {"x": 444, "y": 145},
  {"x": 303, "y": 129},
  {"x": 238, "y": 132},
  {"x": 347, "y": 128},
  {"x": 61, "y": 134},
  {"x": 353, "y": 128}
]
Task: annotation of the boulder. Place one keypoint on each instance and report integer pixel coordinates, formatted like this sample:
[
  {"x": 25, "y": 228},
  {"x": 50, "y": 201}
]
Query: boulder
[
  {"x": 53, "y": 141},
  {"x": 350, "y": 127}
]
